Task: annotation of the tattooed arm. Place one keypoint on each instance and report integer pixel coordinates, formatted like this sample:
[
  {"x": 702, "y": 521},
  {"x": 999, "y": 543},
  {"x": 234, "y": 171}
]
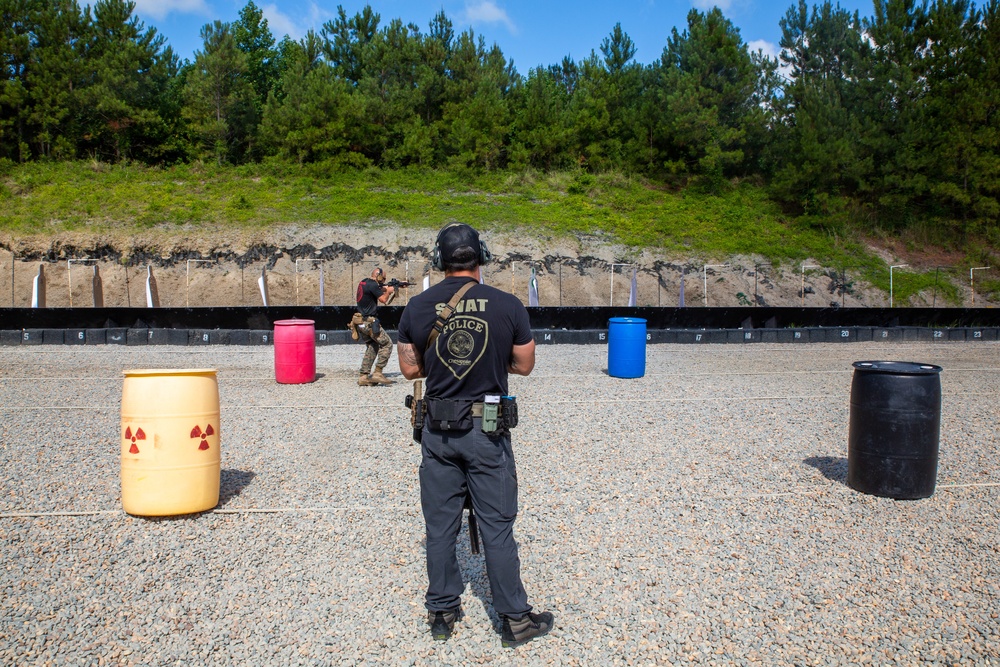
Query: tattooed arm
[{"x": 411, "y": 362}]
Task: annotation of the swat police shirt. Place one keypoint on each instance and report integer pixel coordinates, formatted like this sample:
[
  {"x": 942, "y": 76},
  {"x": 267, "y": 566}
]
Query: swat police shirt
[
  {"x": 369, "y": 291},
  {"x": 469, "y": 359}
]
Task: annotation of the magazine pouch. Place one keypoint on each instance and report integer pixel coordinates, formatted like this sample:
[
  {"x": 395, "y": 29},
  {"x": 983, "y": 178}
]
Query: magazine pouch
[{"x": 448, "y": 415}]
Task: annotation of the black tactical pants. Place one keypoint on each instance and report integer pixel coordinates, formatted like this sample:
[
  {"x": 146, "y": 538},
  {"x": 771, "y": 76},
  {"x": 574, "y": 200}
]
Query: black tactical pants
[{"x": 452, "y": 463}]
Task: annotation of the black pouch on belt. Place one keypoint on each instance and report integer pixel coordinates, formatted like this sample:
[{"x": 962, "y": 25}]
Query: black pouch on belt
[
  {"x": 447, "y": 415},
  {"x": 376, "y": 327},
  {"x": 508, "y": 411}
]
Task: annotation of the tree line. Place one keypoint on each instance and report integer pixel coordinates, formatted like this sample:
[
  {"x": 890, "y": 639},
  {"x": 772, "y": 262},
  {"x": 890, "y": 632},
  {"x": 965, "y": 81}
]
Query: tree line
[{"x": 896, "y": 112}]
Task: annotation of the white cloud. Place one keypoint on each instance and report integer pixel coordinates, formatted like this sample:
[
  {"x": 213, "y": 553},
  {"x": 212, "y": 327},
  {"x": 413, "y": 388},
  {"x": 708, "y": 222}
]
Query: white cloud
[
  {"x": 487, "y": 11},
  {"x": 318, "y": 15},
  {"x": 281, "y": 24},
  {"x": 768, "y": 48},
  {"x": 158, "y": 9},
  {"x": 706, "y": 5},
  {"x": 296, "y": 27}
]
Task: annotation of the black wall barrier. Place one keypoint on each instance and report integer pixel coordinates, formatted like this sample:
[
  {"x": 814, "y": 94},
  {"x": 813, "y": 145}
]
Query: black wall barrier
[{"x": 252, "y": 326}]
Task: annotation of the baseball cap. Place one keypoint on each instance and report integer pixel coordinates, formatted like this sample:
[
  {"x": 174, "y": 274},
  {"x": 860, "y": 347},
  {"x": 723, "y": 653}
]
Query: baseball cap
[{"x": 454, "y": 237}]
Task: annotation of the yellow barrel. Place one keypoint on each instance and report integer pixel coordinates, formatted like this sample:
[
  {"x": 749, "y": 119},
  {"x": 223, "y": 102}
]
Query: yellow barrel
[{"x": 170, "y": 441}]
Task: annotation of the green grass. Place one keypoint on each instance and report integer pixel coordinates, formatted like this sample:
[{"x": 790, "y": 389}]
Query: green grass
[{"x": 45, "y": 198}]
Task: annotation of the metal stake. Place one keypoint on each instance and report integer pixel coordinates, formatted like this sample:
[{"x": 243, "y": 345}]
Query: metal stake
[
  {"x": 972, "y": 284},
  {"x": 802, "y": 282},
  {"x": 897, "y": 266}
]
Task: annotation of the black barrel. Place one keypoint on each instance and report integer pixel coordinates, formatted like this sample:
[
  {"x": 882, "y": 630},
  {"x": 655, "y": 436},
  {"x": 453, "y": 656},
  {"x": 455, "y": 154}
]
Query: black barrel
[{"x": 895, "y": 428}]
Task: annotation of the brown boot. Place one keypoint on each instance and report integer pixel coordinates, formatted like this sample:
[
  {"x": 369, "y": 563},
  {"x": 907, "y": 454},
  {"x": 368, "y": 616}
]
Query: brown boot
[
  {"x": 354, "y": 331},
  {"x": 365, "y": 381},
  {"x": 378, "y": 378}
]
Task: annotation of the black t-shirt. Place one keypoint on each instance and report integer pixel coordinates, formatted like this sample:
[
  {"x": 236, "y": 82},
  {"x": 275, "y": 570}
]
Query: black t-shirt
[
  {"x": 369, "y": 291},
  {"x": 470, "y": 357}
]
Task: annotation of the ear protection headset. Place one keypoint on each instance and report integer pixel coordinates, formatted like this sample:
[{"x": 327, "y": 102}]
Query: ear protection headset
[{"x": 438, "y": 262}]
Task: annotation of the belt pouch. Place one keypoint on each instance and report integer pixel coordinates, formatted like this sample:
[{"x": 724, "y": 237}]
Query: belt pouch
[
  {"x": 448, "y": 415},
  {"x": 508, "y": 411}
]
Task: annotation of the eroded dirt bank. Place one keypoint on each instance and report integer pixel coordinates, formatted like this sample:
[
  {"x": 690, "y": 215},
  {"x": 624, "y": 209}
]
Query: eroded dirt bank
[{"x": 222, "y": 268}]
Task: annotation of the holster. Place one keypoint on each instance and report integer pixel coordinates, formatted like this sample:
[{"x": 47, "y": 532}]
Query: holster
[
  {"x": 358, "y": 323},
  {"x": 508, "y": 411},
  {"x": 352, "y": 326},
  {"x": 418, "y": 409},
  {"x": 506, "y": 415}
]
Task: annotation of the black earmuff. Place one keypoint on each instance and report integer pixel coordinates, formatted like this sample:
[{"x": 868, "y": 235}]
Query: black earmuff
[{"x": 438, "y": 262}]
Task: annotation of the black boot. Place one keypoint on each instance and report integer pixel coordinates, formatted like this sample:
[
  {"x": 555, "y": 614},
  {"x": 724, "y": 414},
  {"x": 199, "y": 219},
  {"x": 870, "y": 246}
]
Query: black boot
[
  {"x": 517, "y": 631},
  {"x": 443, "y": 623}
]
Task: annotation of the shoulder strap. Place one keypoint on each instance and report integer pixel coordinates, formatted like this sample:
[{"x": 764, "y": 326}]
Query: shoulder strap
[{"x": 447, "y": 312}]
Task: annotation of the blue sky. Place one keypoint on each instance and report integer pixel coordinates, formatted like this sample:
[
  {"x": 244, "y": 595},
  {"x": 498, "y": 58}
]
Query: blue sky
[{"x": 531, "y": 33}]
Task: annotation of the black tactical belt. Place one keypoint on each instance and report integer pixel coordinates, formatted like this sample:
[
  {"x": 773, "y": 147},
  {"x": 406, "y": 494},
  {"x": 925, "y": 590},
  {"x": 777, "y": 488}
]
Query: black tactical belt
[{"x": 477, "y": 409}]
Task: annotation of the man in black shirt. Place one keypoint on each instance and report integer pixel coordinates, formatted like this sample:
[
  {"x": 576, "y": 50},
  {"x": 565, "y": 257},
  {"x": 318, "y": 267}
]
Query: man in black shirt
[
  {"x": 485, "y": 336},
  {"x": 371, "y": 292}
]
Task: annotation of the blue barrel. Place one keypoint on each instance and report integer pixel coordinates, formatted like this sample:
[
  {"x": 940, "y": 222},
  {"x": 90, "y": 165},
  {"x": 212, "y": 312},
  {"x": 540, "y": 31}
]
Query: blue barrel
[
  {"x": 626, "y": 347},
  {"x": 895, "y": 427}
]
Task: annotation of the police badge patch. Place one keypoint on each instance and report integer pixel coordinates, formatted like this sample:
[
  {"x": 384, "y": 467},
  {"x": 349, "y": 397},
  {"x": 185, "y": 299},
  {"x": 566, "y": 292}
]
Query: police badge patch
[{"x": 462, "y": 344}]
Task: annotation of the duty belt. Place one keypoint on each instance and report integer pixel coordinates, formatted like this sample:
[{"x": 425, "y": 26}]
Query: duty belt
[{"x": 477, "y": 409}]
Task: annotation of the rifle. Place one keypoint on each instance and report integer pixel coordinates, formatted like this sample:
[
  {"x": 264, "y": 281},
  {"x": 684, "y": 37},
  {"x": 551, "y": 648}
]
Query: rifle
[
  {"x": 393, "y": 282},
  {"x": 473, "y": 526},
  {"x": 416, "y": 405}
]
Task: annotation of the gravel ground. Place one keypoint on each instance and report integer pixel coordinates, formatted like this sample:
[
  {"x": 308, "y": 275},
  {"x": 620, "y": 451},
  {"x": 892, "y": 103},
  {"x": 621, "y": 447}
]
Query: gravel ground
[{"x": 697, "y": 515}]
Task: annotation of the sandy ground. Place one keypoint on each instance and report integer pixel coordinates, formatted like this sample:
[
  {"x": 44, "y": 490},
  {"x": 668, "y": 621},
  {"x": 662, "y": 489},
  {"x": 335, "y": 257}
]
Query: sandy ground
[{"x": 322, "y": 264}]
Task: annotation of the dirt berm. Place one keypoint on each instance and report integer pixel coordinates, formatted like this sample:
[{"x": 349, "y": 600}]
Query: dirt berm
[{"x": 222, "y": 268}]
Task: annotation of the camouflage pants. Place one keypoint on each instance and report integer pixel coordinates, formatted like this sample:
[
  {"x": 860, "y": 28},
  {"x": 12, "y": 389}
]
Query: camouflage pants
[{"x": 377, "y": 348}]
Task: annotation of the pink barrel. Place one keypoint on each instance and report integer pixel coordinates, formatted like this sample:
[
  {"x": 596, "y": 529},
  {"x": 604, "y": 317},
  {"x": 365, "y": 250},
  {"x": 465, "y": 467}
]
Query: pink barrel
[{"x": 294, "y": 351}]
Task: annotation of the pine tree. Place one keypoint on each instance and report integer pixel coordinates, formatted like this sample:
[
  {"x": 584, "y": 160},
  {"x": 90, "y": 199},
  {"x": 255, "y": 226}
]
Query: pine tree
[
  {"x": 130, "y": 69},
  {"x": 255, "y": 40},
  {"x": 347, "y": 40},
  {"x": 618, "y": 49},
  {"x": 54, "y": 76},
  {"x": 710, "y": 87},
  {"x": 541, "y": 126},
  {"x": 894, "y": 88},
  {"x": 476, "y": 115},
  {"x": 219, "y": 97},
  {"x": 962, "y": 115},
  {"x": 312, "y": 120},
  {"x": 18, "y": 24},
  {"x": 818, "y": 150},
  {"x": 393, "y": 102}
]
